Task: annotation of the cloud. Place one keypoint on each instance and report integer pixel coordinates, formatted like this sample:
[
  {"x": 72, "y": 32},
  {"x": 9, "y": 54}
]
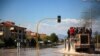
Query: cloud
[
  {"x": 96, "y": 25},
  {"x": 49, "y": 27},
  {"x": 71, "y": 20},
  {"x": 59, "y": 28}
]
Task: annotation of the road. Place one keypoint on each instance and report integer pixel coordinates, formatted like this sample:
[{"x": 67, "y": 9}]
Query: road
[{"x": 54, "y": 51}]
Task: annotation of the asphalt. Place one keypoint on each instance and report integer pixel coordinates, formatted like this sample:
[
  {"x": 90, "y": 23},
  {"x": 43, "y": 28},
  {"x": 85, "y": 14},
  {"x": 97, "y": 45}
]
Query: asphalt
[{"x": 54, "y": 51}]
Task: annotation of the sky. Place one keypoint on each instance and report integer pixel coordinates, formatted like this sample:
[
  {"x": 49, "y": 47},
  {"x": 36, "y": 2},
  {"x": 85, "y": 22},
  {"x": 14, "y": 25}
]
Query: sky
[{"x": 28, "y": 13}]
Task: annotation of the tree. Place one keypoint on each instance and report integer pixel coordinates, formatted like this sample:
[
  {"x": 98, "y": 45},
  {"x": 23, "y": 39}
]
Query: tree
[
  {"x": 53, "y": 37},
  {"x": 97, "y": 37},
  {"x": 46, "y": 38}
]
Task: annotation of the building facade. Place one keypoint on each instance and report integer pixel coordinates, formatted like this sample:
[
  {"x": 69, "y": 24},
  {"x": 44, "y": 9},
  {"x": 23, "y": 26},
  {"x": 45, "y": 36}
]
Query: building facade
[{"x": 9, "y": 30}]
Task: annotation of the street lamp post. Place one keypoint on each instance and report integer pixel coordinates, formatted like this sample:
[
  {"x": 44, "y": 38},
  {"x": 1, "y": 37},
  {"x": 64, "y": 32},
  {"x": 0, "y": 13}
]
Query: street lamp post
[{"x": 37, "y": 35}]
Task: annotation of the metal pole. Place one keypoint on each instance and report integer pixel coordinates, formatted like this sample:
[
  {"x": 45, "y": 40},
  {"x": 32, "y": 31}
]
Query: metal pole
[
  {"x": 65, "y": 44},
  {"x": 18, "y": 43},
  {"x": 37, "y": 43}
]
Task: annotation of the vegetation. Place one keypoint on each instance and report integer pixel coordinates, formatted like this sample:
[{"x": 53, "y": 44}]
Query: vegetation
[
  {"x": 54, "y": 37},
  {"x": 30, "y": 41},
  {"x": 97, "y": 37},
  {"x": 46, "y": 38}
]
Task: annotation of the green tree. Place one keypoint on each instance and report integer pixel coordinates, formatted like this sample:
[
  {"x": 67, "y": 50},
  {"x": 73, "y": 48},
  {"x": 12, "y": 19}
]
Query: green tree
[
  {"x": 97, "y": 37},
  {"x": 46, "y": 38},
  {"x": 53, "y": 37}
]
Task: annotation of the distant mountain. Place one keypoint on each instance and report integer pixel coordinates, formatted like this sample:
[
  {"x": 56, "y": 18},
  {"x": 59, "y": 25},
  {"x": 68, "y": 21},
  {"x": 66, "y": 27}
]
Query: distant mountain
[{"x": 61, "y": 36}]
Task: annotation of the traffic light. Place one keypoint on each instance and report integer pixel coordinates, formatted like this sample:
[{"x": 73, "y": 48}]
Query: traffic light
[{"x": 58, "y": 19}]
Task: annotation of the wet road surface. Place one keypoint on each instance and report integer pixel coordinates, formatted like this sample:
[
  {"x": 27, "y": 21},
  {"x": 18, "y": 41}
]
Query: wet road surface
[{"x": 54, "y": 51}]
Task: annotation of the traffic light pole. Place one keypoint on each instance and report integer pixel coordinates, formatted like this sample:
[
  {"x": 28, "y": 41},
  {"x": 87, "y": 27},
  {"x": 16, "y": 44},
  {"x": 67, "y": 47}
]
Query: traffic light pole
[{"x": 37, "y": 31}]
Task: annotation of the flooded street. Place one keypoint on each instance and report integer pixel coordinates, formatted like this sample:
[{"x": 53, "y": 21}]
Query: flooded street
[
  {"x": 49, "y": 27},
  {"x": 54, "y": 51}
]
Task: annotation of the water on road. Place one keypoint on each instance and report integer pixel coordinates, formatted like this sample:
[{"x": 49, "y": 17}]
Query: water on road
[{"x": 54, "y": 51}]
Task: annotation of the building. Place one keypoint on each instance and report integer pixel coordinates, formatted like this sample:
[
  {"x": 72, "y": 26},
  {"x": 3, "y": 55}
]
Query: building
[
  {"x": 10, "y": 30},
  {"x": 43, "y": 36},
  {"x": 30, "y": 34},
  {"x": 1, "y": 31}
]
